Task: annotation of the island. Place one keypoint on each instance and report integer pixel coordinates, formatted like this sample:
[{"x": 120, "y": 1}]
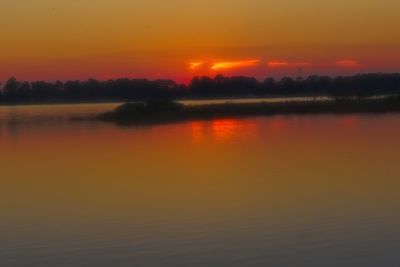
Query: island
[{"x": 153, "y": 112}]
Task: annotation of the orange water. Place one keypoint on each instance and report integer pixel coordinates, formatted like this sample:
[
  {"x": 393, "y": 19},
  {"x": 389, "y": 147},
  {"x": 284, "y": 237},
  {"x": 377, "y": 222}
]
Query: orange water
[{"x": 262, "y": 191}]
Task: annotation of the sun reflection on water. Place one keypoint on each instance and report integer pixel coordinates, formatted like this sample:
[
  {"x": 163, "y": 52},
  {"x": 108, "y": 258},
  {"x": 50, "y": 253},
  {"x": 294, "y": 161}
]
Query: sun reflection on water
[{"x": 222, "y": 130}]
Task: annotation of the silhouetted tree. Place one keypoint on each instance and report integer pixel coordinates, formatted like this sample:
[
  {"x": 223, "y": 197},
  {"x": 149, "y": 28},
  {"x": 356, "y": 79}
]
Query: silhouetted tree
[
  {"x": 270, "y": 87},
  {"x": 11, "y": 86}
]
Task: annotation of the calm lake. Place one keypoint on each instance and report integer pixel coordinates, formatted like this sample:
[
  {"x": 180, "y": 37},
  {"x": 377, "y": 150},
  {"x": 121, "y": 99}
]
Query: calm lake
[{"x": 319, "y": 190}]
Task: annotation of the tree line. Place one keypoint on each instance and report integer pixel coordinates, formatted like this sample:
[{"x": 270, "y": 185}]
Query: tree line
[{"x": 361, "y": 85}]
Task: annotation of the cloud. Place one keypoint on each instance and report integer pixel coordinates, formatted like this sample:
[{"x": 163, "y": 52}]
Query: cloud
[
  {"x": 272, "y": 64},
  {"x": 283, "y": 64},
  {"x": 277, "y": 64},
  {"x": 347, "y": 63},
  {"x": 235, "y": 64},
  {"x": 195, "y": 65}
]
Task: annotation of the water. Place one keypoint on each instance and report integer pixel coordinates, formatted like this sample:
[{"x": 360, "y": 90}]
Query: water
[{"x": 262, "y": 191}]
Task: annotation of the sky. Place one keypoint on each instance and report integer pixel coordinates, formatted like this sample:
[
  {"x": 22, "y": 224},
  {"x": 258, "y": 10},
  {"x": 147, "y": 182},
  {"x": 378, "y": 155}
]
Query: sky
[{"x": 179, "y": 39}]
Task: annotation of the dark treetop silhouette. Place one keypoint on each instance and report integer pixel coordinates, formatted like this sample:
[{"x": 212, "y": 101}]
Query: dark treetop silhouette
[{"x": 361, "y": 85}]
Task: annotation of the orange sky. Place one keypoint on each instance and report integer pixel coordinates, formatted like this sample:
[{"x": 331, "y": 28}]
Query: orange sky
[{"x": 60, "y": 39}]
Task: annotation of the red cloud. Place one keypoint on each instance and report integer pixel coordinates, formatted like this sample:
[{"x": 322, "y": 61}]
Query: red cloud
[
  {"x": 278, "y": 64},
  {"x": 347, "y": 63}
]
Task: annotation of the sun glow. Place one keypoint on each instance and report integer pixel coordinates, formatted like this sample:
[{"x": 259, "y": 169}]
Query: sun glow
[
  {"x": 209, "y": 66},
  {"x": 195, "y": 65},
  {"x": 235, "y": 64}
]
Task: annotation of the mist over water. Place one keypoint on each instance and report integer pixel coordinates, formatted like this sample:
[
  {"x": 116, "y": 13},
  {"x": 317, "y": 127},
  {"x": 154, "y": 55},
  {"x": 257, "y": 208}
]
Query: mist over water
[{"x": 318, "y": 190}]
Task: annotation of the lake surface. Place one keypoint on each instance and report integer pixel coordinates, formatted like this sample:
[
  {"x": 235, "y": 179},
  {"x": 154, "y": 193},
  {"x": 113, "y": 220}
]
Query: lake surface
[{"x": 320, "y": 190}]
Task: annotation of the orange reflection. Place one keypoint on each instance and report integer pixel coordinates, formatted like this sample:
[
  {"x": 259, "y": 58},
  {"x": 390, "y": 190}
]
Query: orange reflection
[
  {"x": 197, "y": 131},
  {"x": 349, "y": 123},
  {"x": 277, "y": 124},
  {"x": 227, "y": 129},
  {"x": 224, "y": 129}
]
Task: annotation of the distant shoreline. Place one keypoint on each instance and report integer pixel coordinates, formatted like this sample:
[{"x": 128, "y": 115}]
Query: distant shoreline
[
  {"x": 363, "y": 85},
  {"x": 164, "y": 112}
]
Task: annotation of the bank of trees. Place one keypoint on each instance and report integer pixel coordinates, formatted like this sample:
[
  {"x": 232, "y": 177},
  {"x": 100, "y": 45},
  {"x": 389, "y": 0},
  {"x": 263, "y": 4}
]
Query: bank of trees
[{"x": 362, "y": 85}]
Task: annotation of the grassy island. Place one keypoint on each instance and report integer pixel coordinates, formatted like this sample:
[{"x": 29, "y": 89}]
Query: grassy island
[{"x": 169, "y": 111}]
